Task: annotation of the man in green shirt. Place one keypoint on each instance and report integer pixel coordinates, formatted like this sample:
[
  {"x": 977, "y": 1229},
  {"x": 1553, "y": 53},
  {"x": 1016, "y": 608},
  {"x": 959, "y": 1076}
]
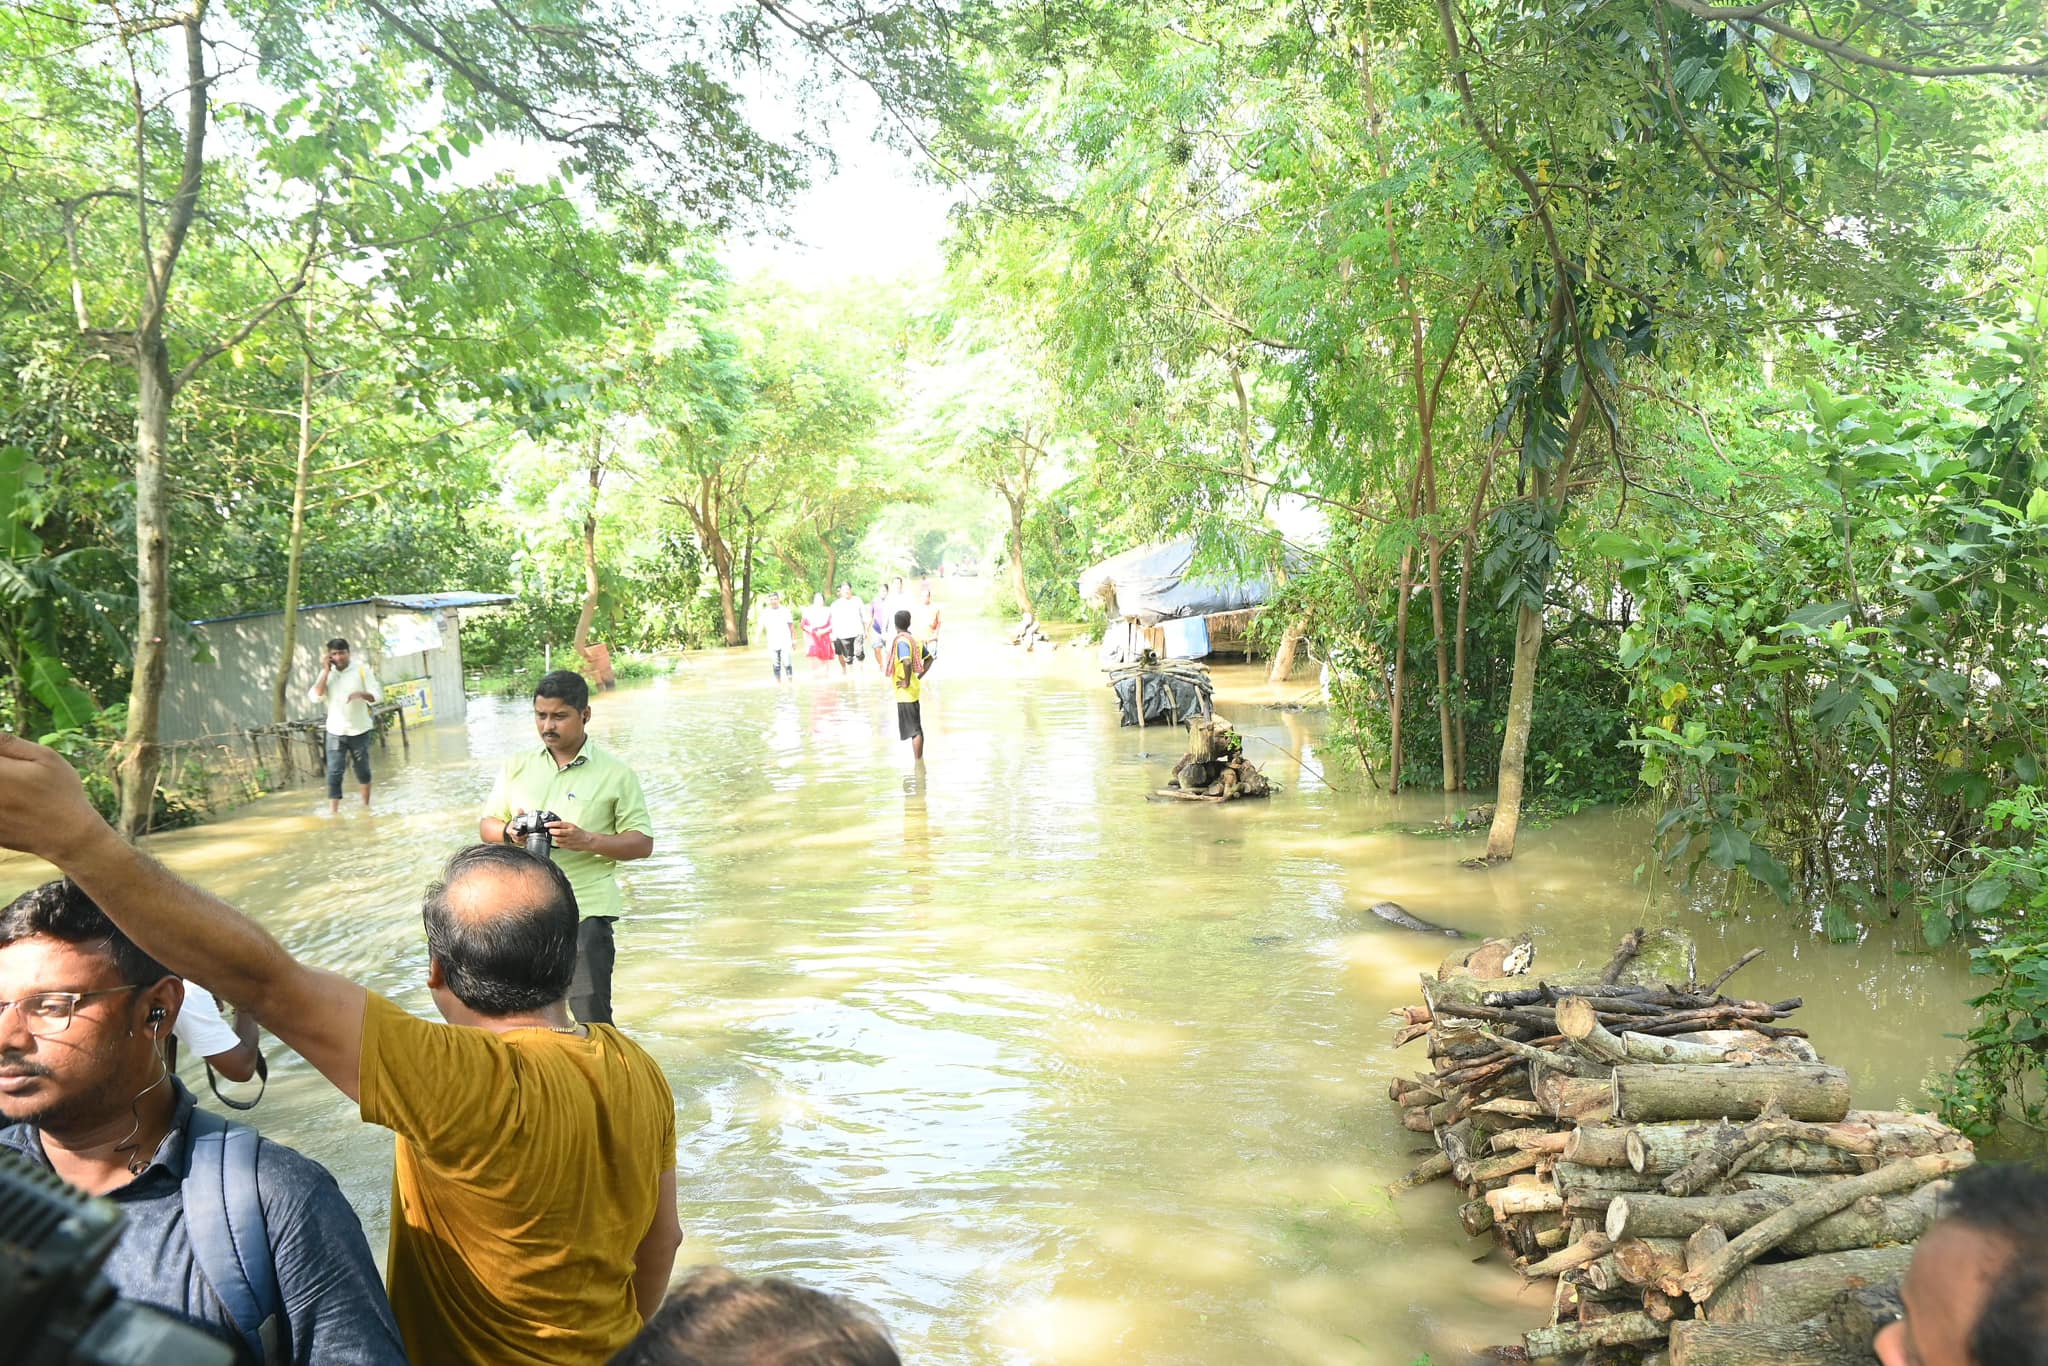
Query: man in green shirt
[{"x": 602, "y": 822}]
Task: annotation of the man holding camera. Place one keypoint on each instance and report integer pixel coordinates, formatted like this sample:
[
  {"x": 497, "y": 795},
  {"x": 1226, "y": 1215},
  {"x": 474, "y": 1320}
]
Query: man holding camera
[
  {"x": 588, "y": 808},
  {"x": 349, "y": 690}
]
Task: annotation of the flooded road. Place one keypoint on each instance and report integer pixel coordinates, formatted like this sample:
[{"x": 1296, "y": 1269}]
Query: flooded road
[{"x": 1043, "y": 1072}]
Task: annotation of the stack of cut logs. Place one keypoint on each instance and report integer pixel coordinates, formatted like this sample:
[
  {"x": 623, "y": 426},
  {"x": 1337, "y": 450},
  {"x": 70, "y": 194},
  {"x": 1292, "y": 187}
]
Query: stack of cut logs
[
  {"x": 1214, "y": 769},
  {"x": 1685, "y": 1166}
]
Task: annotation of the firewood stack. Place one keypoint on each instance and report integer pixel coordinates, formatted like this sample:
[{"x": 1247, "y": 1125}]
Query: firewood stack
[
  {"x": 1685, "y": 1166},
  {"x": 1214, "y": 769}
]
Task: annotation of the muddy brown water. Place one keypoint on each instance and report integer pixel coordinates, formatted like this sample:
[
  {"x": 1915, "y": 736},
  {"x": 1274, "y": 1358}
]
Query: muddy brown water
[{"x": 1042, "y": 1071}]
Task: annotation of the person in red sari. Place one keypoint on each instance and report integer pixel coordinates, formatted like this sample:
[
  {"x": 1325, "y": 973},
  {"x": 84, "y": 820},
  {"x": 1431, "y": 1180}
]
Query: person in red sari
[{"x": 817, "y": 622}]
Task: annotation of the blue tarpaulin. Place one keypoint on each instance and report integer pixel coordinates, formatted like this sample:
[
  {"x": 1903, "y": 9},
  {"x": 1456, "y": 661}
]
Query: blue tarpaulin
[{"x": 1152, "y": 584}]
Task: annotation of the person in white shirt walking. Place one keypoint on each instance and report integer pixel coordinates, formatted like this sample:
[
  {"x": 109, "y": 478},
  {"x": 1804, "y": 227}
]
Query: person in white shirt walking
[
  {"x": 777, "y": 635},
  {"x": 349, "y": 690},
  {"x": 848, "y": 625}
]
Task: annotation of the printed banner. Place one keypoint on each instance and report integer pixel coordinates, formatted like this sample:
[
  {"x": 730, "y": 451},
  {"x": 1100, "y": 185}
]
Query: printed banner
[
  {"x": 409, "y": 633},
  {"x": 415, "y": 698}
]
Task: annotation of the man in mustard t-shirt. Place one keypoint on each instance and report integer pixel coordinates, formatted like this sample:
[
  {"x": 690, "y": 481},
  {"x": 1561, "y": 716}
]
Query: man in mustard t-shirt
[
  {"x": 603, "y": 823},
  {"x": 533, "y": 1217}
]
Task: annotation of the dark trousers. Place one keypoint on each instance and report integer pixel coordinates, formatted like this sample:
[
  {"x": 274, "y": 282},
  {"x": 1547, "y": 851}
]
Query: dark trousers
[
  {"x": 342, "y": 752},
  {"x": 590, "y": 990}
]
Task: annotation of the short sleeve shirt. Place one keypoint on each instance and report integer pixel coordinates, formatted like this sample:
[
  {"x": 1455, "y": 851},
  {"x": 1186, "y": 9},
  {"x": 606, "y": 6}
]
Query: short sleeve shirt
[
  {"x": 199, "y": 1025},
  {"x": 846, "y": 618},
  {"x": 346, "y": 715},
  {"x": 597, "y": 792},
  {"x": 775, "y": 627},
  {"x": 524, "y": 1180}
]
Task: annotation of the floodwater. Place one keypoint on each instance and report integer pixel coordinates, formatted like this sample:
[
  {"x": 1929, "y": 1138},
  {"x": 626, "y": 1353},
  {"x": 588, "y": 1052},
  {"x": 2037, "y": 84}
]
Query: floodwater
[{"x": 1042, "y": 1071}]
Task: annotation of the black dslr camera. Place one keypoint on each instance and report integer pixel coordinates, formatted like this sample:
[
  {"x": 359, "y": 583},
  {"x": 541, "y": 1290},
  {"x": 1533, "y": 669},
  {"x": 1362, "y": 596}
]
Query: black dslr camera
[
  {"x": 58, "y": 1309},
  {"x": 530, "y": 828}
]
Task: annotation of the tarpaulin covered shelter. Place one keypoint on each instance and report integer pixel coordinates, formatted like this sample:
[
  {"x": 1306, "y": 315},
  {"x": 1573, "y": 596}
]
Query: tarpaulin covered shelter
[
  {"x": 1154, "y": 603},
  {"x": 1152, "y": 584}
]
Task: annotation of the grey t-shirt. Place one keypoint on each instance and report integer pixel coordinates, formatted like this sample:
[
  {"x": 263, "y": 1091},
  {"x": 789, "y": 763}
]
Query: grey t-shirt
[{"x": 334, "y": 1306}]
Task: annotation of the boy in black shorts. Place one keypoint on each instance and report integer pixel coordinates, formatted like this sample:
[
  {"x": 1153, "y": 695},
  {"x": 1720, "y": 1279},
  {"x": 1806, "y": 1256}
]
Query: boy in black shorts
[{"x": 905, "y": 662}]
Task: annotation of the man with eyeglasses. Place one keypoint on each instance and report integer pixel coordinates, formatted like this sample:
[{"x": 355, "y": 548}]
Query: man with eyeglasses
[{"x": 85, "y": 1093}]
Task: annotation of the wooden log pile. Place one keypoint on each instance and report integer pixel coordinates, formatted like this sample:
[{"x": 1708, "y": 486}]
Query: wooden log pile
[
  {"x": 1214, "y": 769},
  {"x": 1682, "y": 1163}
]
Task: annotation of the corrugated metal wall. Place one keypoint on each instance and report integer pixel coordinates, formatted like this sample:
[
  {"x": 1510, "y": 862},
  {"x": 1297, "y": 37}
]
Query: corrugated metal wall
[{"x": 231, "y": 691}]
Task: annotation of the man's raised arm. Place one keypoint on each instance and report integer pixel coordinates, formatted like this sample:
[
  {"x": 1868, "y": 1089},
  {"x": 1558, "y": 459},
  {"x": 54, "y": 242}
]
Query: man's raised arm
[{"x": 44, "y": 811}]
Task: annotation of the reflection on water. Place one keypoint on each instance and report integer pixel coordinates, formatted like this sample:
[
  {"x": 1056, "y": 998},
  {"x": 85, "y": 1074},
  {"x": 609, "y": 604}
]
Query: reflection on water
[{"x": 1043, "y": 1071}]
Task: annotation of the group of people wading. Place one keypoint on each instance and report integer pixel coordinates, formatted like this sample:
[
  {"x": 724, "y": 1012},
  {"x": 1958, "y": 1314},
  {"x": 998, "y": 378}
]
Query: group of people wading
[
  {"x": 901, "y": 631},
  {"x": 533, "y": 1208}
]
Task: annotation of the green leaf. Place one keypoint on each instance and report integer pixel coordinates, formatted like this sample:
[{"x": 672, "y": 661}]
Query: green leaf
[
  {"x": 1727, "y": 845},
  {"x": 1987, "y": 894},
  {"x": 51, "y": 684},
  {"x": 1935, "y": 925}
]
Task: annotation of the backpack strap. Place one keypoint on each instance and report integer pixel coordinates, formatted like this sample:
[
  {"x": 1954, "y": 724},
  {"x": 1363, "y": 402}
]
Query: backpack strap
[{"x": 225, "y": 1226}]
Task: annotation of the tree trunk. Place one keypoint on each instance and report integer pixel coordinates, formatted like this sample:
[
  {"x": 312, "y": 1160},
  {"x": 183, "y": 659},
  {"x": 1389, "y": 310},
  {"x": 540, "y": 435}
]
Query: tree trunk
[
  {"x": 589, "y": 612},
  {"x": 1283, "y": 654},
  {"x": 1017, "y": 583},
  {"x": 1569, "y": 1339},
  {"x": 1575, "y": 1179},
  {"x": 1579, "y": 1023},
  {"x": 1454, "y": 775},
  {"x": 721, "y": 564},
  {"x": 1697, "y": 1343},
  {"x": 1786, "y": 1292},
  {"x": 1598, "y": 1145},
  {"x": 1404, "y": 585},
  {"x": 1659, "y": 1149},
  {"x": 1650, "y": 1261},
  {"x": 1869, "y": 1221},
  {"x": 296, "y": 548},
  {"x": 1814, "y": 1206},
  {"x": 1458, "y": 660},
  {"x": 1646, "y": 1214},
  {"x": 747, "y": 580},
  {"x": 1514, "y": 745},
  {"x": 831, "y": 569},
  {"x": 141, "y": 758},
  {"x": 1585, "y": 1099},
  {"x": 1808, "y": 1091}
]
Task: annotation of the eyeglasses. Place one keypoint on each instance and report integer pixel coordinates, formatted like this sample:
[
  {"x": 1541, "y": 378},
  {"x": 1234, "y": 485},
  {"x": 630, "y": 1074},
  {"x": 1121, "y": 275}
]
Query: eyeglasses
[{"x": 50, "y": 1012}]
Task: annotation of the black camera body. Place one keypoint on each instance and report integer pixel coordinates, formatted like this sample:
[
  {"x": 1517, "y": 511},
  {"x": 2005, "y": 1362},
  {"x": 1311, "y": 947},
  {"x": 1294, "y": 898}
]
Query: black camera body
[
  {"x": 58, "y": 1309},
  {"x": 530, "y": 828}
]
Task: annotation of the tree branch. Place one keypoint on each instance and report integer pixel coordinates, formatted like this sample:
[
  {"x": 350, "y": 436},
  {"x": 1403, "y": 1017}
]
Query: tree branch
[
  {"x": 185, "y": 203},
  {"x": 1761, "y": 16},
  {"x": 255, "y": 319}
]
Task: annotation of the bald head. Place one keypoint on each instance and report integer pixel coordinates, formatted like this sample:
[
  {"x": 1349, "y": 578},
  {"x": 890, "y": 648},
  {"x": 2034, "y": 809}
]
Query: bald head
[{"x": 502, "y": 925}]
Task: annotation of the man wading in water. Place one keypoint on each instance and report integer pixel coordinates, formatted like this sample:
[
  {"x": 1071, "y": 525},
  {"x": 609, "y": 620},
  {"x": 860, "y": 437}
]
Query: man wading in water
[
  {"x": 348, "y": 691},
  {"x": 601, "y": 822},
  {"x": 905, "y": 661}
]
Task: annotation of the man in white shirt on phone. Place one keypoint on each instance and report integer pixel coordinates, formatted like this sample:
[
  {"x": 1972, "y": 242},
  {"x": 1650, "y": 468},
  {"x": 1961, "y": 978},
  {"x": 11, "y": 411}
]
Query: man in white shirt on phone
[{"x": 349, "y": 691}]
